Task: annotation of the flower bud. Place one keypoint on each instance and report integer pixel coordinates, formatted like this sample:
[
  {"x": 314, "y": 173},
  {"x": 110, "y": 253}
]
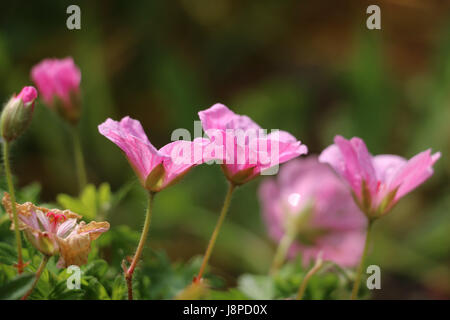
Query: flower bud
[
  {"x": 58, "y": 81},
  {"x": 17, "y": 114}
]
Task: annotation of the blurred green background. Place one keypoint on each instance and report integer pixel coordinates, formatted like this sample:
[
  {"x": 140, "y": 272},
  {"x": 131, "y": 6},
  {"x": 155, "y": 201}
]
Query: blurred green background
[{"x": 308, "y": 67}]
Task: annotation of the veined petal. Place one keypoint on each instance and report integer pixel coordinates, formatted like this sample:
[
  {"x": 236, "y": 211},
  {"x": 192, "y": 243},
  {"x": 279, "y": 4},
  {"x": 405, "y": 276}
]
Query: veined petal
[
  {"x": 129, "y": 135},
  {"x": 66, "y": 227},
  {"x": 220, "y": 117},
  {"x": 412, "y": 174},
  {"x": 181, "y": 156},
  {"x": 75, "y": 248}
]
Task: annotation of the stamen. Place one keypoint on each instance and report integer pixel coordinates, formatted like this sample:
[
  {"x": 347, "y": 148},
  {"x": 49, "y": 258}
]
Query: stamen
[{"x": 55, "y": 218}]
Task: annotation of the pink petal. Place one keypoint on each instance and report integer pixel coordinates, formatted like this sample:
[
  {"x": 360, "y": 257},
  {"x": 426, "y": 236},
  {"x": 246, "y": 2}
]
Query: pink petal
[
  {"x": 28, "y": 95},
  {"x": 220, "y": 117},
  {"x": 417, "y": 170},
  {"x": 181, "y": 156},
  {"x": 386, "y": 166},
  {"x": 352, "y": 161},
  {"x": 282, "y": 147},
  {"x": 66, "y": 227},
  {"x": 129, "y": 135},
  {"x": 44, "y": 221}
]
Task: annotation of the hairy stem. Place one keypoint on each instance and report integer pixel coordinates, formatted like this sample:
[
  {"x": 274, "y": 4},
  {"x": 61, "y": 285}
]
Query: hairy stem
[
  {"x": 79, "y": 159},
  {"x": 8, "y": 174},
  {"x": 313, "y": 271},
  {"x": 361, "y": 264},
  {"x": 41, "y": 268},
  {"x": 281, "y": 253},
  {"x": 137, "y": 255},
  {"x": 215, "y": 233}
]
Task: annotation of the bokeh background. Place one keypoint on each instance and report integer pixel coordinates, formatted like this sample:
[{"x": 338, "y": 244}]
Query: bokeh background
[{"x": 308, "y": 67}]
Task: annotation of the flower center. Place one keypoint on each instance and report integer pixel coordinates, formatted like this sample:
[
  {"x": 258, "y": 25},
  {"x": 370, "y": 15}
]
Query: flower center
[{"x": 55, "y": 218}]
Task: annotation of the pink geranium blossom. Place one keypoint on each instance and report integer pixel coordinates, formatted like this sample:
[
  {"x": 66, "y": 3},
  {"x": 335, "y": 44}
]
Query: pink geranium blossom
[
  {"x": 309, "y": 200},
  {"x": 377, "y": 182},
  {"x": 242, "y": 145},
  {"x": 58, "y": 81},
  {"x": 156, "y": 169}
]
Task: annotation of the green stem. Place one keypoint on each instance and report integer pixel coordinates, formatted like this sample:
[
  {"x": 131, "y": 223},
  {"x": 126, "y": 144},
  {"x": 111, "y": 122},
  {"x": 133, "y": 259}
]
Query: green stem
[
  {"x": 313, "y": 271},
  {"x": 281, "y": 253},
  {"x": 215, "y": 233},
  {"x": 137, "y": 255},
  {"x": 41, "y": 268},
  {"x": 79, "y": 159},
  {"x": 13, "y": 205},
  {"x": 361, "y": 264}
]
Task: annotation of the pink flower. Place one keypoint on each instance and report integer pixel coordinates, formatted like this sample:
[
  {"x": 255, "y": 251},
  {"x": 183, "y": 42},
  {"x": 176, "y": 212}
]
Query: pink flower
[
  {"x": 55, "y": 232},
  {"x": 242, "y": 145},
  {"x": 156, "y": 169},
  {"x": 377, "y": 182},
  {"x": 58, "y": 80},
  {"x": 308, "y": 200}
]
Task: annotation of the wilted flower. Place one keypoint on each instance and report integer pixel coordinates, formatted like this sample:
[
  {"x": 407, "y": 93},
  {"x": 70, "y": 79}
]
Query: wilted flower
[
  {"x": 156, "y": 169},
  {"x": 17, "y": 114},
  {"x": 54, "y": 231},
  {"x": 244, "y": 148},
  {"x": 309, "y": 201},
  {"x": 377, "y": 182},
  {"x": 58, "y": 80}
]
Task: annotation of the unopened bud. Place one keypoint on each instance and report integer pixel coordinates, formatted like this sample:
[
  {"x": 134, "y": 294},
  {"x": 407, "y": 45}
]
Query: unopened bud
[{"x": 17, "y": 114}]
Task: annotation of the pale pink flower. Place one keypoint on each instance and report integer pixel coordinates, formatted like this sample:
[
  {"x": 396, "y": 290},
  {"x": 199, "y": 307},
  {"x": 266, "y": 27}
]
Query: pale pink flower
[
  {"x": 156, "y": 169},
  {"x": 246, "y": 150},
  {"x": 377, "y": 182},
  {"x": 58, "y": 81},
  {"x": 56, "y": 232},
  {"x": 308, "y": 199}
]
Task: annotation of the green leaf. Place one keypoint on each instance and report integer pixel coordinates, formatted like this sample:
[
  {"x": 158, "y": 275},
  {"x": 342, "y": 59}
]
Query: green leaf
[
  {"x": 97, "y": 268},
  {"x": 257, "y": 287},
  {"x": 68, "y": 202},
  {"x": 89, "y": 200},
  {"x": 7, "y": 254},
  {"x": 119, "y": 288},
  {"x": 104, "y": 196},
  {"x": 17, "y": 287},
  {"x": 95, "y": 290}
]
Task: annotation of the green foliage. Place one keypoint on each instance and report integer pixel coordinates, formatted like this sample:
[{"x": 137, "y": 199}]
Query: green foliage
[
  {"x": 16, "y": 287},
  {"x": 331, "y": 282},
  {"x": 93, "y": 203}
]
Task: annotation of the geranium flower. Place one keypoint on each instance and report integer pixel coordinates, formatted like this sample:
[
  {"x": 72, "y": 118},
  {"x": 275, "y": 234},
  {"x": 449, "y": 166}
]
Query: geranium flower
[
  {"x": 54, "y": 231},
  {"x": 243, "y": 147},
  {"x": 377, "y": 182},
  {"x": 156, "y": 169},
  {"x": 58, "y": 81},
  {"x": 309, "y": 201}
]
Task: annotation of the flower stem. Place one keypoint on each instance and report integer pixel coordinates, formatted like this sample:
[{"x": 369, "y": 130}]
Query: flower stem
[
  {"x": 361, "y": 264},
  {"x": 215, "y": 233},
  {"x": 137, "y": 255},
  {"x": 41, "y": 268},
  {"x": 313, "y": 271},
  {"x": 79, "y": 159},
  {"x": 20, "y": 264},
  {"x": 281, "y": 253}
]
